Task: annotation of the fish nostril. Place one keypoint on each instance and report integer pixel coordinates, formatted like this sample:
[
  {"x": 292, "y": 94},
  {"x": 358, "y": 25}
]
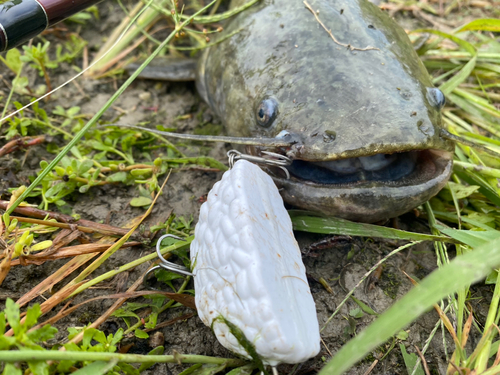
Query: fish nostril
[
  {"x": 329, "y": 136},
  {"x": 285, "y": 135},
  {"x": 436, "y": 97}
]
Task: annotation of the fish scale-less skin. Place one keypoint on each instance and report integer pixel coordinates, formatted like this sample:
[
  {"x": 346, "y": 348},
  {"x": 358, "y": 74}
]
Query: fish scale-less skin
[
  {"x": 249, "y": 269},
  {"x": 335, "y": 103}
]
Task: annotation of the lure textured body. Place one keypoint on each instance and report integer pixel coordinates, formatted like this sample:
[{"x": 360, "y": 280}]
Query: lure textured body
[{"x": 248, "y": 270}]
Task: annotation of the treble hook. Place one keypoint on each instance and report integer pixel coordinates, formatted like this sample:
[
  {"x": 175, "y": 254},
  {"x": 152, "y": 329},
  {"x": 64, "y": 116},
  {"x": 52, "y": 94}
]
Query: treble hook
[
  {"x": 281, "y": 161},
  {"x": 165, "y": 264}
]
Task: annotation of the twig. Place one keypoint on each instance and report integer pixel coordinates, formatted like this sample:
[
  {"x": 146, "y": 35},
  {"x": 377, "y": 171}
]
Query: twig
[
  {"x": 68, "y": 252},
  {"x": 63, "y": 272},
  {"x": 426, "y": 368},
  {"x": 352, "y": 48},
  {"x": 63, "y": 225},
  {"x": 61, "y": 218},
  {"x": 19, "y": 143},
  {"x": 326, "y": 347},
  {"x": 370, "y": 369}
]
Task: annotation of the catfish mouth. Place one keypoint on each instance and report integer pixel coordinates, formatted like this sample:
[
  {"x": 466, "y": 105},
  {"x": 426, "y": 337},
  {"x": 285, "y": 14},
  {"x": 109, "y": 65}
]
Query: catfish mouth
[{"x": 397, "y": 169}]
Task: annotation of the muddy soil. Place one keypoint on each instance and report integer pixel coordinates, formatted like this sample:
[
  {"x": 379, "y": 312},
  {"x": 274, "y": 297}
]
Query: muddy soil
[{"x": 342, "y": 265}]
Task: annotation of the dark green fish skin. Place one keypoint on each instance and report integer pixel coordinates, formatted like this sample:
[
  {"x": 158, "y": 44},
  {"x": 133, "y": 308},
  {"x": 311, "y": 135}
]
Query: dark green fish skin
[{"x": 336, "y": 103}]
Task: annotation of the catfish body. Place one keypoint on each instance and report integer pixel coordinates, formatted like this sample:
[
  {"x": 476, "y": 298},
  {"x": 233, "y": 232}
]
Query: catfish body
[{"x": 361, "y": 110}]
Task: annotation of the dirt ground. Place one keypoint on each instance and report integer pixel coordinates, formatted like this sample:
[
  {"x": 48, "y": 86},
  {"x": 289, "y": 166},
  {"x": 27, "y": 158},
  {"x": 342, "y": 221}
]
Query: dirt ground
[{"x": 342, "y": 265}]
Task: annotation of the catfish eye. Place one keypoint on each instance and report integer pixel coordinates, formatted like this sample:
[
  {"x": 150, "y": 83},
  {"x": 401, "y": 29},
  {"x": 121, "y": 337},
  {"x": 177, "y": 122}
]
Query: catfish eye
[
  {"x": 266, "y": 112},
  {"x": 436, "y": 97}
]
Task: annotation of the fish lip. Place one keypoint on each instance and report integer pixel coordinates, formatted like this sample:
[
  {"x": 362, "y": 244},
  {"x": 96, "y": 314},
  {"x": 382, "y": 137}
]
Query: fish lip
[{"x": 371, "y": 201}]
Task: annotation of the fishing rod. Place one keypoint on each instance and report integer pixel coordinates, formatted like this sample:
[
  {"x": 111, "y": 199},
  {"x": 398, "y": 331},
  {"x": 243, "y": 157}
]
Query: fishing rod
[{"x": 21, "y": 20}]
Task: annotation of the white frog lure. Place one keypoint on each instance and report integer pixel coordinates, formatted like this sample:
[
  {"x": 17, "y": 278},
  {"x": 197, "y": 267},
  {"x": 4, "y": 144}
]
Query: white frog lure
[{"x": 249, "y": 272}]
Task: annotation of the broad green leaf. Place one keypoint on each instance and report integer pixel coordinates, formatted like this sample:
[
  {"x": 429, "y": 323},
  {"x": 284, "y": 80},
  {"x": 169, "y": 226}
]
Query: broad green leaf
[
  {"x": 122, "y": 313},
  {"x": 55, "y": 190},
  {"x": 45, "y": 333},
  {"x": 117, "y": 177},
  {"x": 11, "y": 369},
  {"x": 151, "y": 323},
  {"x": 96, "y": 368},
  {"x": 459, "y": 273},
  {"x": 462, "y": 191},
  {"x": 41, "y": 245},
  {"x": 141, "y": 173},
  {"x": 32, "y": 315},
  {"x": 39, "y": 367},
  {"x": 140, "y": 201},
  {"x": 139, "y": 333},
  {"x": 402, "y": 335},
  {"x": 191, "y": 369},
  {"x": 356, "y": 313},
  {"x": 117, "y": 337},
  {"x": 364, "y": 307},
  {"x": 13, "y": 317},
  {"x": 13, "y": 60},
  {"x": 128, "y": 369},
  {"x": 85, "y": 166},
  {"x": 491, "y": 278},
  {"x": 88, "y": 334},
  {"x": 100, "y": 337},
  {"x": 73, "y": 111},
  {"x": 166, "y": 276},
  {"x": 6, "y": 342},
  {"x": 410, "y": 361}
]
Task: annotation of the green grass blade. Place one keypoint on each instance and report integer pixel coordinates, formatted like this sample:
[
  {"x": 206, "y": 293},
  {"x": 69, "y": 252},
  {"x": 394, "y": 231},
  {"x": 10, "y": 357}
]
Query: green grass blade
[
  {"x": 464, "y": 73},
  {"x": 471, "y": 238},
  {"x": 486, "y": 24},
  {"x": 333, "y": 225},
  {"x": 462, "y": 43},
  {"x": 476, "y": 179},
  {"x": 459, "y": 273}
]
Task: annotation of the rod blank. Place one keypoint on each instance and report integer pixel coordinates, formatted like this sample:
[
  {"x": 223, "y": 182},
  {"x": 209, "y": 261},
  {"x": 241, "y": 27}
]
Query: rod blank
[{"x": 22, "y": 20}]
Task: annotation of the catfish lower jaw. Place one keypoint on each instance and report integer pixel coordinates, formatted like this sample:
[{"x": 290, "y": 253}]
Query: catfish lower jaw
[{"x": 422, "y": 174}]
